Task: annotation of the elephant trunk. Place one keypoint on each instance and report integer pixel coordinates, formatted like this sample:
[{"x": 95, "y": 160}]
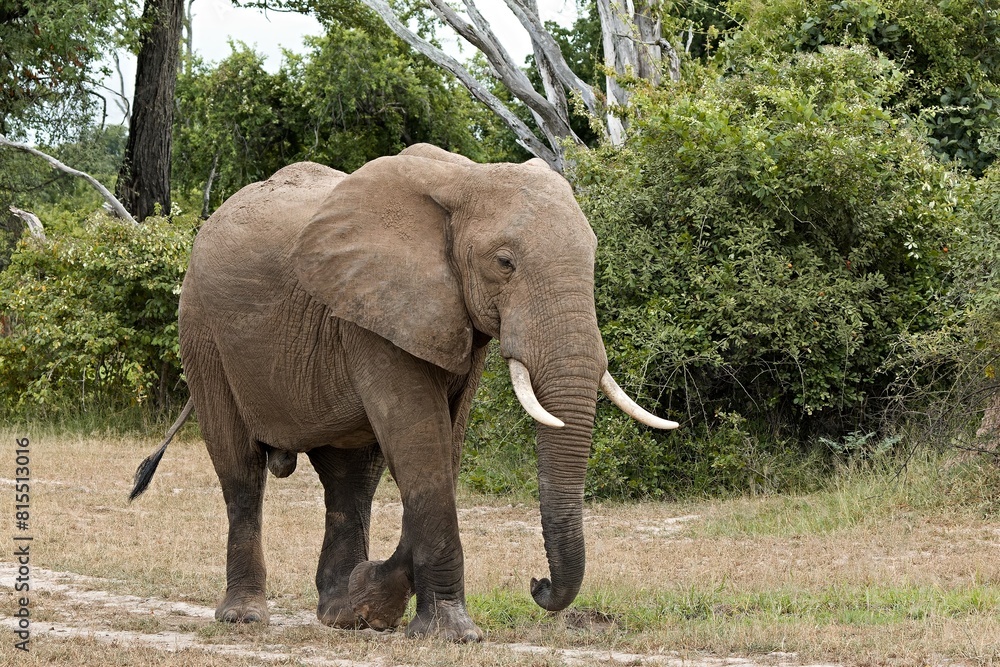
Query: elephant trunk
[
  {"x": 563, "y": 358},
  {"x": 562, "y": 469}
]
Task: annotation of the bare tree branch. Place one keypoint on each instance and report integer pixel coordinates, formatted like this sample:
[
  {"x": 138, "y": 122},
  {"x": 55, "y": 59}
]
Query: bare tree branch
[
  {"x": 560, "y": 111},
  {"x": 544, "y": 41},
  {"x": 523, "y": 133},
  {"x": 206, "y": 195},
  {"x": 122, "y": 101},
  {"x": 34, "y": 224},
  {"x": 554, "y": 126},
  {"x": 553, "y": 87},
  {"x": 116, "y": 205}
]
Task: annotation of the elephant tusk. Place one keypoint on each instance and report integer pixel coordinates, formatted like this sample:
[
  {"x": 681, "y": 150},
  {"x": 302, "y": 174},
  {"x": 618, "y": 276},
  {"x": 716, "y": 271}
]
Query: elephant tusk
[
  {"x": 521, "y": 379},
  {"x": 630, "y": 407}
]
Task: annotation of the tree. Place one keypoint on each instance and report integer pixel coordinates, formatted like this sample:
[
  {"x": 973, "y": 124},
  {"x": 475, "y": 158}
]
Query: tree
[
  {"x": 48, "y": 55},
  {"x": 632, "y": 43},
  {"x": 144, "y": 178},
  {"x": 356, "y": 94}
]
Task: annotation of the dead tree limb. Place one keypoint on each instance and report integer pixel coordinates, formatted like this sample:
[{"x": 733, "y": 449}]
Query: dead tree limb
[
  {"x": 554, "y": 126},
  {"x": 524, "y": 135},
  {"x": 541, "y": 39},
  {"x": 34, "y": 224},
  {"x": 116, "y": 205}
]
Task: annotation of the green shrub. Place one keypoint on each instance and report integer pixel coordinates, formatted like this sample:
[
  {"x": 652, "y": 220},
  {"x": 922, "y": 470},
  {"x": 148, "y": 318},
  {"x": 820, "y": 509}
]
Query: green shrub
[
  {"x": 948, "y": 375},
  {"x": 949, "y": 51},
  {"x": 92, "y": 315}
]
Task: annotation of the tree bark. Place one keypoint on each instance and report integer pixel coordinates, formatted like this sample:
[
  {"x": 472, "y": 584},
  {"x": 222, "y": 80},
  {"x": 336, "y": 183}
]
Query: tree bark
[
  {"x": 144, "y": 177},
  {"x": 633, "y": 47}
]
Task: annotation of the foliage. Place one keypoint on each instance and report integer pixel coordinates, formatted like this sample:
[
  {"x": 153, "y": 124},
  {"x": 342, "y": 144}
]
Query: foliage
[
  {"x": 49, "y": 52},
  {"x": 229, "y": 117},
  {"x": 498, "y": 458},
  {"x": 363, "y": 95},
  {"x": 948, "y": 375},
  {"x": 29, "y": 183},
  {"x": 92, "y": 316},
  {"x": 353, "y": 97},
  {"x": 701, "y": 24},
  {"x": 950, "y": 52},
  {"x": 764, "y": 240}
]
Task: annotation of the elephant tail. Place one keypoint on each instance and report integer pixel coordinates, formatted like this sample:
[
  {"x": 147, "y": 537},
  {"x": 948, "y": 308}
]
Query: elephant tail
[{"x": 144, "y": 473}]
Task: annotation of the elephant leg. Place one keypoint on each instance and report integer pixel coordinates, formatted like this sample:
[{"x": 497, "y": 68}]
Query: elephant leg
[
  {"x": 349, "y": 477},
  {"x": 406, "y": 400},
  {"x": 377, "y": 585},
  {"x": 240, "y": 463}
]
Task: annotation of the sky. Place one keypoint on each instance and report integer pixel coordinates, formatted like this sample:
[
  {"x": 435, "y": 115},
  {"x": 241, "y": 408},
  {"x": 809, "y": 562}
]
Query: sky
[{"x": 217, "y": 22}]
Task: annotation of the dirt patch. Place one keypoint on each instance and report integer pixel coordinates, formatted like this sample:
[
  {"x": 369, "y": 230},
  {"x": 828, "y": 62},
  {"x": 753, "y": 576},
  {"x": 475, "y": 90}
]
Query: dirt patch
[{"x": 86, "y": 611}]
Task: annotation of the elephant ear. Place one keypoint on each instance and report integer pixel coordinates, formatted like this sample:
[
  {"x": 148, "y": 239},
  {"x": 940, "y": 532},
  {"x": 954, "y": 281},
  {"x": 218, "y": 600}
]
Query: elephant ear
[{"x": 377, "y": 254}]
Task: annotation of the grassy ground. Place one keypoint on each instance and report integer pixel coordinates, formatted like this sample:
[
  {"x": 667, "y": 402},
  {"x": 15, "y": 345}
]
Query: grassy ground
[{"x": 875, "y": 569}]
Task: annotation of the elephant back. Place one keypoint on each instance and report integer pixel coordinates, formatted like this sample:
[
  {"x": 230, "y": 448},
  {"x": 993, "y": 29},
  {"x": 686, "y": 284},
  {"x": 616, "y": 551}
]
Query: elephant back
[{"x": 240, "y": 258}]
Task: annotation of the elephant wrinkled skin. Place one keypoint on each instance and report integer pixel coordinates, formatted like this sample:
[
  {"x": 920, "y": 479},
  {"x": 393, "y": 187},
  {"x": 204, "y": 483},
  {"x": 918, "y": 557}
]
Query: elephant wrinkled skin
[{"x": 347, "y": 318}]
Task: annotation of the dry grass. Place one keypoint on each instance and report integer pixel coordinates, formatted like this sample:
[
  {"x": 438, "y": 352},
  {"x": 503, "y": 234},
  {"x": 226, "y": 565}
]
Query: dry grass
[{"x": 850, "y": 575}]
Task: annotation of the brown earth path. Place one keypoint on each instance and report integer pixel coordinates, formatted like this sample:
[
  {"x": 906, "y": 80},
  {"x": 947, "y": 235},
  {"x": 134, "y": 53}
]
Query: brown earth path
[{"x": 87, "y": 611}]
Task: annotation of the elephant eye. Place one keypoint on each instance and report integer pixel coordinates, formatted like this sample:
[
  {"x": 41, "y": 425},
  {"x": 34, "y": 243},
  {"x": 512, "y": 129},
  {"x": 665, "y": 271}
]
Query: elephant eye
[{"x": 505, "y": 263}]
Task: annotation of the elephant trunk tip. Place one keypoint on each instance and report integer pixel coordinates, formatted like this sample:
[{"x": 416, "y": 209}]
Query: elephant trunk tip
[{"x": 541, "y": 592}]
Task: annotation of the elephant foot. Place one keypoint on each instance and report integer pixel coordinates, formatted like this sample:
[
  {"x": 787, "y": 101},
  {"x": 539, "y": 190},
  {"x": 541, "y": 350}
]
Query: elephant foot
[
  {"x": 377, "y": 598},
  {"x": 337, "y": 612},
  {"x": 242, "y": 608},
  {"x": 447, "y": 620}
]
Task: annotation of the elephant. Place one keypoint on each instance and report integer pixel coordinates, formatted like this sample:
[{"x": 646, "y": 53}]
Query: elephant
[{"x": 347, "y": 317}]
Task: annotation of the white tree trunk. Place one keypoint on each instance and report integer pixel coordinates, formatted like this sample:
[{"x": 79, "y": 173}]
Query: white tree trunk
[{"x": 633, "y": 48}]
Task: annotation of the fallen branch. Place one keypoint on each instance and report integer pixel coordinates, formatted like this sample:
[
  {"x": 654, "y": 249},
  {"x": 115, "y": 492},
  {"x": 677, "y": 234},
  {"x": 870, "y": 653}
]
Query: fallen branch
[
  {"x": 116, "y": 205},
  {"x": 34, "y": 224}
]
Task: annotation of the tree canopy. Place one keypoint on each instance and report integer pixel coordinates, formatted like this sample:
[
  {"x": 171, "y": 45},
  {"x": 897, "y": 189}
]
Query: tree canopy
[
  {"x": 50, "y": 62},
  {"x": 351, "y": 97}
]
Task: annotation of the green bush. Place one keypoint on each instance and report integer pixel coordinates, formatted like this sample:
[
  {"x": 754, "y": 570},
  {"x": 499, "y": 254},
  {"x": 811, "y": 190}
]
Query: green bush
[
  {"x": 92, "y": 316},
  {"x": 948, "y": 375},
  {"x": 764, "y": 240},
  {"x": 949, "y": 52}
]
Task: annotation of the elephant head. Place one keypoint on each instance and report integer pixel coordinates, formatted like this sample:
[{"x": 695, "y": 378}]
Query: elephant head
[{"x": 427, "y": 248}]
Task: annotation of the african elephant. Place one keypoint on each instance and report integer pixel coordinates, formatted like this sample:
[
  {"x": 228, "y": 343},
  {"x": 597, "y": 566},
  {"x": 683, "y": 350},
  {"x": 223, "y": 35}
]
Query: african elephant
[{"x": 347, "y": 318}]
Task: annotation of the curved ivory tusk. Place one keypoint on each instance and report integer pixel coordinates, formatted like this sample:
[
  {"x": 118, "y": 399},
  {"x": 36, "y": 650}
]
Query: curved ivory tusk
[
  {"x": 521, "y": 380},
  {"x": 630, "y": 407}
]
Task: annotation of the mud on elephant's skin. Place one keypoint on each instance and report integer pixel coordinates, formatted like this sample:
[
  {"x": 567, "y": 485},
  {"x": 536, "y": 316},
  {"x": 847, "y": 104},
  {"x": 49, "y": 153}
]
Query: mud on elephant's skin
[{"x": 347, "y": 318}]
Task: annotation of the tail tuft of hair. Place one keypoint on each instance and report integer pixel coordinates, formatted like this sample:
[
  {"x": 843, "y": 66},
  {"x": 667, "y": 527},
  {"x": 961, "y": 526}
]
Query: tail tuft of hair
[{"x": 144, "y": 473}]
